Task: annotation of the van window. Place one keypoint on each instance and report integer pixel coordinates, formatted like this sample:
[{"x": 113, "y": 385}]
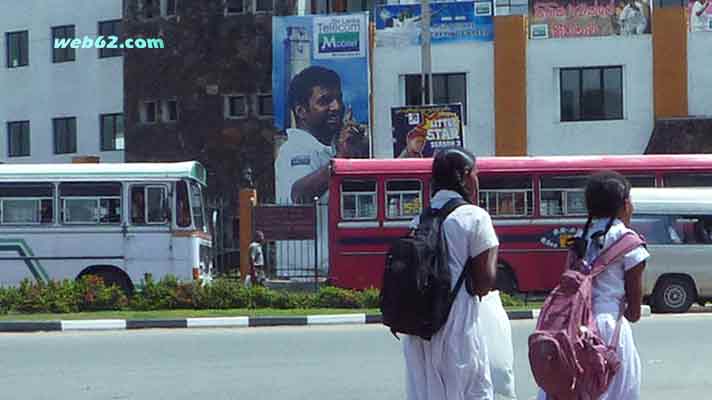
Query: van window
[
  {"x": 563, "y": 195},
  {"x": 403, "y": 199},
  {"x": 506, "y": 196},
  {"x": 358, "y": 200}
]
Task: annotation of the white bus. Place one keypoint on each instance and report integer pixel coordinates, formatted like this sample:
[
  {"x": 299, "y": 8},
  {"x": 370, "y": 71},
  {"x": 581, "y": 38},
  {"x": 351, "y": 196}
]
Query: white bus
[
  {"x": 677, "y": 224},
  {"x": 116, "y": 221}
]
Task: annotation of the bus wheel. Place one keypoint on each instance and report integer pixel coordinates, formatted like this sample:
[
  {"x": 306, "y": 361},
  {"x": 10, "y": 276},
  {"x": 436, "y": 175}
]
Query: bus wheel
[
  {"x": 506, "y": 281},
  {"x": 673, "y": 294},
  {"x": 111, "y": 276}
]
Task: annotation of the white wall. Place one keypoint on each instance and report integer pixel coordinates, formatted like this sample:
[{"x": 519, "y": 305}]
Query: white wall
[
  {"x": 475, "y": 59},
  {"x": 547, "y": 135},
  {"x": 43, "y": 90},
  {"x": 699, "y": 73}
]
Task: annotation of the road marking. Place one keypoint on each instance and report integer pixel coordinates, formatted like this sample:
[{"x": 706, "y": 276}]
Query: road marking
[
  {"x": 94, "y": 325},
  {"x": 336, "y": 319},
  {"x": 218, "y": 322}
]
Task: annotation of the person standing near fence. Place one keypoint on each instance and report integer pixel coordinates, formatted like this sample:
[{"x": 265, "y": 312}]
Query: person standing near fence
[
  {"x": 454, "y": 365},
  {"x": 257, "y": 261}
]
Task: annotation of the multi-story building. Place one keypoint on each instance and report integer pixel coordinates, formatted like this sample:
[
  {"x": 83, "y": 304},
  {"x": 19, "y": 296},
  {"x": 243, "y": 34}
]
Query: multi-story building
[{"x": 60, "y": 103}]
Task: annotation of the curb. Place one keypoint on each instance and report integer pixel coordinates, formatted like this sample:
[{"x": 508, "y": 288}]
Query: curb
[{"x": 222, "y": 322}]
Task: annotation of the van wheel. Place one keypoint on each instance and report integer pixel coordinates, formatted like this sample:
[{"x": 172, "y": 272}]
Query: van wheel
[
  {"x": 673, "y": 294},
  {"x": 506, "y": 281}
]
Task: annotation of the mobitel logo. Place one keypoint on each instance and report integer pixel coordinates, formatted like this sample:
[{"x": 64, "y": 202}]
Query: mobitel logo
[{"x": 339, "y": 36}]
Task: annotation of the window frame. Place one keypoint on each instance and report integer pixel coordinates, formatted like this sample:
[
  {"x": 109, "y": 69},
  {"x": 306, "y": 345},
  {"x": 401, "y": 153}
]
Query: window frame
[
  {"x": 260, "y": 110},
  {"x": 98, "y": 200},
  {"x": 143, "y": 111},
  {"x": 258, "y": 11},
  {"x": 228, "y": 108},
  {"x": 23, "y": 57},
  {"x": 165, "y": 9},
  {"x": 484, "y": 202},
  {"x": 9, "y": 125},
  {"x": 357, "y": 195},
  {"x": 55, "y": 126},
  {"x": 443, "y": 75},
  {"x": 602, "y": 70},
  {"x": 115, "y": 117},
  {"x": 166, "y": 111},
  {"x": 400, "y": 193},
  {"x": 227, "y": 12},
  {"x": 106, "y": 52},
  {"x": 68, "y": 54},
  {"x": 39, "y": 201}
]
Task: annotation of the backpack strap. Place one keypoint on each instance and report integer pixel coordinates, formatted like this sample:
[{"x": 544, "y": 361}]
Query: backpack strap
[
  {"x": 448, "y": 208},
  {"x": 625, "y": 244}
]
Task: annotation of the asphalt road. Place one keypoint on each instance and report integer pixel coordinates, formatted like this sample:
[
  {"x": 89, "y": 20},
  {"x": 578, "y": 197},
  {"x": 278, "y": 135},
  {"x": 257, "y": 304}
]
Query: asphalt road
[{"x": 344, "y": 362}]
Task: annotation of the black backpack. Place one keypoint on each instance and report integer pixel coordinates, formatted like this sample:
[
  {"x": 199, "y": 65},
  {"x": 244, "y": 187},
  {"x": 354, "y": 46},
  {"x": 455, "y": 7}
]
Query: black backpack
[{"x": 415, "y": 298}]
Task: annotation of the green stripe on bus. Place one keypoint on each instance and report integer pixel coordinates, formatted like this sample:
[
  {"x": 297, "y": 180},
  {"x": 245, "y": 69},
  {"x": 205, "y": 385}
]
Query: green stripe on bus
[{"x": 24, "y": 250}]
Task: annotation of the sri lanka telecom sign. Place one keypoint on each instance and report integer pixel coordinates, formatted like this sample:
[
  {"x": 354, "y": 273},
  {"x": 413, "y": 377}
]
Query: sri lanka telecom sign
[{"x": 340, "y": 36}]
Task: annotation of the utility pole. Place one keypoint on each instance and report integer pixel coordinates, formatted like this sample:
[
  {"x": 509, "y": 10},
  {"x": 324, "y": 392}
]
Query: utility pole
[{"x": 426, "y": 79}]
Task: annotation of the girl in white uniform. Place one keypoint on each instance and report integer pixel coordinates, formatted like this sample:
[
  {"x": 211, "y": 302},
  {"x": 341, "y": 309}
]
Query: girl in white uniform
[
  {"x": 453, "y": 365},
  {"x": 609, "y": 207}
]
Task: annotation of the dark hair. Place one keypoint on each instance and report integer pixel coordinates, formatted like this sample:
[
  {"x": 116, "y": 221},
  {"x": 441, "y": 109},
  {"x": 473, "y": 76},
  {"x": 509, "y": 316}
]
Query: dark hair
[
  {"x": 302, "y": 84},
  {"x": 450, "y": 166},
  {"x": 606, "y": 193}
]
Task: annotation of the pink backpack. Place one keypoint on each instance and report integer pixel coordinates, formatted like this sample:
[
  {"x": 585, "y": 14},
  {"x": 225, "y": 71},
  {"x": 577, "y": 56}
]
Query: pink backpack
[{"x": 568, "y": 357}]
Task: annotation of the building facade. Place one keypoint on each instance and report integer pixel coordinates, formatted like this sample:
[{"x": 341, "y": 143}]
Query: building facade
[{"x": 60, "y": 103}]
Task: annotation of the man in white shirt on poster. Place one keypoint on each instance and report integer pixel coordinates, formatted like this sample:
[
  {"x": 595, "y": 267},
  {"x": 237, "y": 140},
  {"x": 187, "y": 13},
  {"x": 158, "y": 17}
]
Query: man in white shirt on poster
[{"x": 698, "y": 18}]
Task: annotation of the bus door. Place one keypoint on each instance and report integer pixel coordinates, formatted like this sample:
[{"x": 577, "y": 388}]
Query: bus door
[{"x": 147, "y": 237}]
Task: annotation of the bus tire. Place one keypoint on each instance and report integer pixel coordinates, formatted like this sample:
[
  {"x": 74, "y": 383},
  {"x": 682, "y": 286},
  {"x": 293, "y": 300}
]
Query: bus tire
[
  {"x": 506, "y": 280},
  {"x": 111, "y": 276},
  {"x": 674, "y": 294}
]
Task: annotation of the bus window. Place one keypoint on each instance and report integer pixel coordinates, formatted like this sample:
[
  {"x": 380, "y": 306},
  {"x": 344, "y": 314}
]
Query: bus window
[
  {"x": 90, "y": 203},
  {"x": 358, "y": 200},
  {"x": 196, "y": 203},
  {"x": 641, "y": 180},
  {"x": 148, "y": 204},
  {"x": 182, "y": 205},
  {"x": 687, "y": 180},
  {"x": 404, "y": 199},
  {"x": 506, "y": 196},
  {"x": 26, "y": 203},
  {"x": 563, "y": 195}
]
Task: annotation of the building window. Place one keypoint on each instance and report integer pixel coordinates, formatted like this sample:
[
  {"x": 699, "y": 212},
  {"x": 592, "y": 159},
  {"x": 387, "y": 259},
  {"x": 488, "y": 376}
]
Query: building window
[
  {"x": 169, "y": 8},
  {"x": 264, "y": 105},
  {"x": 235, "y": 7},
  {"x": 18, "y": 54},
  {"x": 170, "y": 110},
  {"x": 265, "y": 6},
  {"x": 65, "y": 135},
  {"x": 107, "y": 29},
  {"x": 18, "y": 139},
  {"x": 112, "y": 132},
  {"x": 148, "y": 111},
  {"x": 235, "y": 106},
  {"x": 358, "y": 200},
  {"x": 447, "y": 89},
  {"x": 591, "y": 94},
  {"x": 63, "y": 35}
]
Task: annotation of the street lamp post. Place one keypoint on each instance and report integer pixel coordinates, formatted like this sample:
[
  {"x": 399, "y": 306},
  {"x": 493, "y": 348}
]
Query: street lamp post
[{"x": 426, "y": 80}]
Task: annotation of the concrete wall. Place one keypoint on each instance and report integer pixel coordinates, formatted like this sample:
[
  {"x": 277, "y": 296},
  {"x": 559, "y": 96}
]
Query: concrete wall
[
  {"x": 547, "y": 135},
  {"x": 699, "y": 73},
  {"x": 475, "y": 59},
  {"x": 84, "y": 89}
]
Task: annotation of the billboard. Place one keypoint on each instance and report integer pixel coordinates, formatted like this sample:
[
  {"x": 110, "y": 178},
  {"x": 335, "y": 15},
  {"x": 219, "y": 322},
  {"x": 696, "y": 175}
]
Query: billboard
[
  {"x": 581, "y": 18},
  {"x": 700, "y": 12},
  {"x": 399, "y": 25},
  {"x": 320, "y": 91},
  {"x": 419, "y": 131}
]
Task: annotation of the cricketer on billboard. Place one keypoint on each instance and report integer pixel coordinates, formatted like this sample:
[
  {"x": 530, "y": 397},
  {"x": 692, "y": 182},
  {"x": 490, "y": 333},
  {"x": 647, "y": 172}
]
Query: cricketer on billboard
[
  {"x": 320, "y": 90},
  {"x": 419, "y": 131}
]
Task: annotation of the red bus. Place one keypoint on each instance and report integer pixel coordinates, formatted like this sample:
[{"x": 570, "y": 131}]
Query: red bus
[{"x": 536, "y": 203}]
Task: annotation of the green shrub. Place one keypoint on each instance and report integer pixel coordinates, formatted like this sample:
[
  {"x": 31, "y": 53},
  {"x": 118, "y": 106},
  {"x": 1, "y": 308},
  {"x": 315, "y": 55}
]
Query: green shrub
[
  {"x": 332, "y": 297},
  {"x": 95, "y": 296},
  {"x": 222, "y": 294},
  {"x": 369, "y": 298},
  {"x": 509, "y": 301},
  {"x": 63, "y": 297},
  {"x": 32, "y": 298}
]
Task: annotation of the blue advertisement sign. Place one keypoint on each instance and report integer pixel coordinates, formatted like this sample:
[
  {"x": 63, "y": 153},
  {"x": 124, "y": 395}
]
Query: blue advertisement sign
[{"x": 400, "y": 25}]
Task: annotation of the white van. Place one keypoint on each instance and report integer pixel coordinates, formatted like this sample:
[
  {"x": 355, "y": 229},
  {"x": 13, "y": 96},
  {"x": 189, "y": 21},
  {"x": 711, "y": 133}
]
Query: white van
[{"x": 677, "y": 224}]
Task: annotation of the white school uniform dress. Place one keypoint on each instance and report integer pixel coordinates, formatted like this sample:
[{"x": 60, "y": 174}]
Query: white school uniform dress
[
  {"x": 608, "y": 294},
  {"x": 453, "y": 365}
]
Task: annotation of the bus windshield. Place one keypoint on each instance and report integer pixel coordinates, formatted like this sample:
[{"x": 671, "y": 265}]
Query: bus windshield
[{"x": 197, "y": 206}]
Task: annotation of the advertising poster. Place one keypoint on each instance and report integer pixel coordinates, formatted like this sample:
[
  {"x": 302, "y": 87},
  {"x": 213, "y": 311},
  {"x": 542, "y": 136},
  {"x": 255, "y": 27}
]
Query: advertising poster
[
  {"x": 419, "y": 131},
  {"x": 399, "y": 25},
  {"x": 700, "y": 12},
  {"x": 581, "y": 18}
]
